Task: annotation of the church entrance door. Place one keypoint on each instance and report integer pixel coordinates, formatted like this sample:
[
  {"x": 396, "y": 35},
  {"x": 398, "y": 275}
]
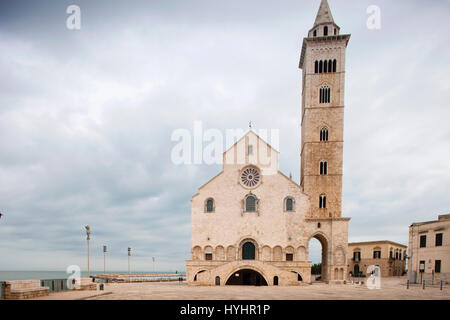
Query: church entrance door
[
  {"x": 246, "y": 277},
  {"x": 248, "y": 251}
]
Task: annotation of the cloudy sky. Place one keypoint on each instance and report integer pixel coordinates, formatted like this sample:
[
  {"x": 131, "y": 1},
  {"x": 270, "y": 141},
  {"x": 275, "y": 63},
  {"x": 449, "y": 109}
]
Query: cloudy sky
[{"x": 86, "y": 118}]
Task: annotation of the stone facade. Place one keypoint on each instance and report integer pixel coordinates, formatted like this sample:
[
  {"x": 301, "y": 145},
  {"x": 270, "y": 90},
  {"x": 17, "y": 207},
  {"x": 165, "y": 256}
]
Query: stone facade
[
  {"x": 251, "y": 224},
  {"x": 429, "y": 243},
  {"x": 388, "y": 255}
]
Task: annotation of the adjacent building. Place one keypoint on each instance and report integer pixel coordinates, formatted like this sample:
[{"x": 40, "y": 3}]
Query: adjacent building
[
  {"x": 429, "y": 250},
  {"x": 388, "y": 255},
  {"x": 251, "y": 224}
]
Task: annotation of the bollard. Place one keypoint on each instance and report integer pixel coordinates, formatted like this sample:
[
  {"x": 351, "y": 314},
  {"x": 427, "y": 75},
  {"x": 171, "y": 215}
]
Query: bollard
[
  {"x": 423, "y": 284},
  {"x": 407, "y": 284}
]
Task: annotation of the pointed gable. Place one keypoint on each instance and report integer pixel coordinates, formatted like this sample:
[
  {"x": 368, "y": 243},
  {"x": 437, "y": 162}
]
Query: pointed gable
[{"x": 251, "y": 149}]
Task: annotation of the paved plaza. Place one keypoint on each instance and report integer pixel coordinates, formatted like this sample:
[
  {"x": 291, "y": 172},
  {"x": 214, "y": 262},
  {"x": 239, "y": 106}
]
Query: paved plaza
[{"x": 391, "y": 289}]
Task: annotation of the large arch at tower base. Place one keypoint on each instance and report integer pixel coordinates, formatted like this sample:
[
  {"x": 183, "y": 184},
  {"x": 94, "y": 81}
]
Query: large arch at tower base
[{"x": 246, "y": 277}]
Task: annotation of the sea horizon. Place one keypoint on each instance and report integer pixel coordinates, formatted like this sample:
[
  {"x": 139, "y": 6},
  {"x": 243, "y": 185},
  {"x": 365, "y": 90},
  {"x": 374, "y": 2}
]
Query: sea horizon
[{"x": 10, "y": 275}]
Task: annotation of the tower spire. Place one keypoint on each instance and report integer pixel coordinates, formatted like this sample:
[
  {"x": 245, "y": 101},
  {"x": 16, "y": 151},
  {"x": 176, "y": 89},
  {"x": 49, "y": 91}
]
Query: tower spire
[{"x": 324, "y": 14}]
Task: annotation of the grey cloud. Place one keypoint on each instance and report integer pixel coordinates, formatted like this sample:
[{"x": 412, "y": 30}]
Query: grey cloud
[{"x": 86, "y": 118}]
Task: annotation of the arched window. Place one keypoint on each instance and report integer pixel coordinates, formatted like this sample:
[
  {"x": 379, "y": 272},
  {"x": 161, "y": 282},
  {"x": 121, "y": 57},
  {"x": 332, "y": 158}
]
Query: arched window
[
  {"x": 325, "y": 31},
  {"x": 320, "y": 66},
  {"x": 335, "y": 31},
  {"x": 324, "y": 94},
  {"x": 250, "y": 203},
  {"x": 330, "y": 66},
  {"x": 315, "y": 33},
  {"x": 289, "y": 204},
  {"x": 217, "y": 281},
  {"x": 334, "y": 65},
  {"x": 248, "y": 251},
  {"x": 324, "y": 134},
  {"x": 275, "y": 280},
  {"x": 323, "y": 168},
  {"x": 210, "y": 205},
  {"x": 325, "y": 66},
  {"x": 322, "y": 201},
  {"x": 316, "y": 67}
]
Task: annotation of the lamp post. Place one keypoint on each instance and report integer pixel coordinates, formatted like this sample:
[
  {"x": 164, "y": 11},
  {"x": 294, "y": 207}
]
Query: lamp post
[
  {"x": 129, "y": 254},
  {"x": 105, "y": 249},
  {"x": 88, "y": 237}
]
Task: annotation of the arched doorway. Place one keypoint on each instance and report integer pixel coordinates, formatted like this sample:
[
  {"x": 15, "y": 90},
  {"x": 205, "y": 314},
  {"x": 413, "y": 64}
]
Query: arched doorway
[
  {"x": 318, "y": 255},
  {"x": 248, "y": 251},
  {"x": 196, "y": 275},
  {"x": 246, "y": 277}
]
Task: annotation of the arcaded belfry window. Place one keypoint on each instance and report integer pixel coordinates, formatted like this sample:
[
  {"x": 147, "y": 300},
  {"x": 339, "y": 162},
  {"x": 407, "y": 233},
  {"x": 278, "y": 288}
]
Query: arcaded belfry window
[
  {"x": 250, "y": 203},
  {"x": 324, "y": 94},
  {"x": 210, "y": 205},
  {"x": 323, "y": 168},
  {"x": 324, "y": 134},
  {"x": 325, "y": 31}
]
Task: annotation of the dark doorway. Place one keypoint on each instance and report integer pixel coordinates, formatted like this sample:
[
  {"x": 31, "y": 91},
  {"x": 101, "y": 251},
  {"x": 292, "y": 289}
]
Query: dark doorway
[
  {"x": 248, "y": 251},
  {"x": 246, "y": 277},
  {"x": 356, "y": 270}
]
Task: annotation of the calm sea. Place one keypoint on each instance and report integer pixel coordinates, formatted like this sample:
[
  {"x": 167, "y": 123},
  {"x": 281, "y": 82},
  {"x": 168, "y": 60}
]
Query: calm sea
[{"x": 48, "y": 275}]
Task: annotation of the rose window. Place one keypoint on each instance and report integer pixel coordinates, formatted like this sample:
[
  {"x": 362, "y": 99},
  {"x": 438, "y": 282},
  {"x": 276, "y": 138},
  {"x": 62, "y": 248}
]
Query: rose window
[{"x": 250, "y": 177}]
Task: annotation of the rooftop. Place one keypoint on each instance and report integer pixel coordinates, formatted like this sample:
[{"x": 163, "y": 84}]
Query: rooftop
[{"x": 377, "y": 242}]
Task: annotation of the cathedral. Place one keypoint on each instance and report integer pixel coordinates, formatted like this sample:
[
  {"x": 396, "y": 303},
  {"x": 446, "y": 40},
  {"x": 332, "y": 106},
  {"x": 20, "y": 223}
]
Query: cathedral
[{"x": 251, "y": 224}]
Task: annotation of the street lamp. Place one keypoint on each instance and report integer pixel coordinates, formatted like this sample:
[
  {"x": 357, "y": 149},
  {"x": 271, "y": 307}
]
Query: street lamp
[
  {"x": 88, "y": 237},
  {"x": 105, "y": 249},
  {"x": 129, "y": 254},
  {"x": 153, "y": 258}
]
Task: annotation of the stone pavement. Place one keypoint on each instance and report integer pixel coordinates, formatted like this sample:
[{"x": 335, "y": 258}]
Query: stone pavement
[
  {"x": 391, "y": 289},
  {"x": 74, "y": 295}
]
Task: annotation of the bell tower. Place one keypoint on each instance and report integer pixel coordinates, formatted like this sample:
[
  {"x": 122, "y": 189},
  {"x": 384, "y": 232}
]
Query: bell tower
[{"x": 322, "y": 62}]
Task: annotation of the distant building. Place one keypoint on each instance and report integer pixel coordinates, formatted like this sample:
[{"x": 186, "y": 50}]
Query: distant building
[
  {"x": 429, "y": 250},
  {"x": 389, "y": 256}
]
